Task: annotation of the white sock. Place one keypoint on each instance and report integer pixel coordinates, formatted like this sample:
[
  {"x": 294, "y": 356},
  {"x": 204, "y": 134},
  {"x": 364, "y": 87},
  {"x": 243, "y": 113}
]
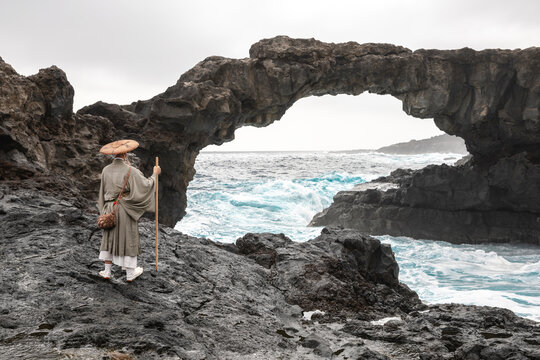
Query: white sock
[
  {"x": 108, "y": 268},
  {"x": 130, "y": 272}
]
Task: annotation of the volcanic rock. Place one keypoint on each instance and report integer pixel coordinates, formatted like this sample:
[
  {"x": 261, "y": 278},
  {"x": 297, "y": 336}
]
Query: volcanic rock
[
  {"x": 459, "y": 204},
  {"x": 220, "y": 301},
  {"x": 489, "y": 98}
]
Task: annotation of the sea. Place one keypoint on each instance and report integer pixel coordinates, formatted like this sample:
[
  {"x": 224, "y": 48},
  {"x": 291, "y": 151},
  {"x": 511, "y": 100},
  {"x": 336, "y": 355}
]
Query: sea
[{"x": 234, "y": 193}]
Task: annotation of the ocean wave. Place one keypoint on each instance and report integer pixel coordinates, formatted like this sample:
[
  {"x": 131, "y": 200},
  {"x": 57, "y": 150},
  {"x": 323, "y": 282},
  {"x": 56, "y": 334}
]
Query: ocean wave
[{"x": 475, "y": 275}]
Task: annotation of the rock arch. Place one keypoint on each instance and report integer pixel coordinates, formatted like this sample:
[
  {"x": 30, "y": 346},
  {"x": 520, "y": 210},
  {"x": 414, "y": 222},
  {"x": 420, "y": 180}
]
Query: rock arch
[{"x": 490, "y": 98}]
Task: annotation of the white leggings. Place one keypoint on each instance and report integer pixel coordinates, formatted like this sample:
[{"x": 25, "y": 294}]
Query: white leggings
[{"x": 126, "y": 262}]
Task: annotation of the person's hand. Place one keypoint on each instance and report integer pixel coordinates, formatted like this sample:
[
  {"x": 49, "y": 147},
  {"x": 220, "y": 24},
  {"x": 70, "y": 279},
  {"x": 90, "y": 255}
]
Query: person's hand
[{"x": 157, "y": 170}]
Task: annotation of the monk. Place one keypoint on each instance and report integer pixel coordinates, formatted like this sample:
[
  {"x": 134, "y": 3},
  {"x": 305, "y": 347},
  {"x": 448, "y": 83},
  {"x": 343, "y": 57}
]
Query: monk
[{"x": 121, "y": 244}]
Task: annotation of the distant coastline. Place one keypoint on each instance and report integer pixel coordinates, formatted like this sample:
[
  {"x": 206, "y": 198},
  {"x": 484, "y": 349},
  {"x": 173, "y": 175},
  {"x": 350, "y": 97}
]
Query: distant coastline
[{"x": 437, "y": 144}]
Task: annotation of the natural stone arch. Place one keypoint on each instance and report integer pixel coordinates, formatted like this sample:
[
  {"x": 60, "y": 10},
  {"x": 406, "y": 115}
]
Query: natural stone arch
[{"x": 489, "y": 98}]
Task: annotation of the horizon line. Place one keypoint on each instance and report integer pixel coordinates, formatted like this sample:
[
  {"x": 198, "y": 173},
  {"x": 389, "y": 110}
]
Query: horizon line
[{"x": 242, "y": 151}]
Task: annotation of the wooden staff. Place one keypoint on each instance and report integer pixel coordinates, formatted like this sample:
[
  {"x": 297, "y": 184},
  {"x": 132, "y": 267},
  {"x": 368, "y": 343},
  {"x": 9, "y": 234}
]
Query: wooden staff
[{"x": 157, "y": 199}]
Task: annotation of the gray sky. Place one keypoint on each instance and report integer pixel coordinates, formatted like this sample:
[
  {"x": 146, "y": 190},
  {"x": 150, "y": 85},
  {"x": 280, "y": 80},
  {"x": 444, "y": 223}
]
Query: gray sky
[{"x": 122, "y": 51}]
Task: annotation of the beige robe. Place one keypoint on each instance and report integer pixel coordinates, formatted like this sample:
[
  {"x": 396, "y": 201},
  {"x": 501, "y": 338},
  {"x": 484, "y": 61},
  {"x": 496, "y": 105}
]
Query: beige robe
[{"x": 123, "y": 239}]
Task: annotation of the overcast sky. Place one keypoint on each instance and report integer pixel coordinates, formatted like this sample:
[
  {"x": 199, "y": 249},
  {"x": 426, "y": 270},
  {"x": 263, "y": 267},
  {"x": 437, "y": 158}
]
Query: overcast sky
[{"x": 123, "y": 51}]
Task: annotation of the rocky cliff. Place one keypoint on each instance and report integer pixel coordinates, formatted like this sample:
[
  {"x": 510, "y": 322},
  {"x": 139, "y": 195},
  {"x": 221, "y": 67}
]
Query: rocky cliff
[
  {"x": 490, "y": 98},
  {"x": 458, "y": 204},
  {"x": 253, "y": 300}
]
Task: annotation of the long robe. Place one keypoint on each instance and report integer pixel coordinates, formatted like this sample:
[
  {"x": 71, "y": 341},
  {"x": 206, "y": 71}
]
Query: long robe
[{"x": 123, "y": 239}]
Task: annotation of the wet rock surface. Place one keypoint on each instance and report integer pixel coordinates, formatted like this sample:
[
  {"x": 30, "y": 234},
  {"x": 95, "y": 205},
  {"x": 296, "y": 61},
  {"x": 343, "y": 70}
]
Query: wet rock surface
[
  {"x": 490, "y": 98},
  {"x": 215, "y": 301}
]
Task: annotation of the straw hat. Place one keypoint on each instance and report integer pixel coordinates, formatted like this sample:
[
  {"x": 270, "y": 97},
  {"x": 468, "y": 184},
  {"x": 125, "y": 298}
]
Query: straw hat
[{"x": 119, "y": 147}]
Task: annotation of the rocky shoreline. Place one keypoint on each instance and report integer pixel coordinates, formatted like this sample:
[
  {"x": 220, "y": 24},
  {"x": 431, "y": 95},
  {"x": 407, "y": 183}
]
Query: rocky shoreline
[
  {"x": 465, "y": 203},
  {"x": 252, "y": 300},
  {"x": 265, "y": 297}
]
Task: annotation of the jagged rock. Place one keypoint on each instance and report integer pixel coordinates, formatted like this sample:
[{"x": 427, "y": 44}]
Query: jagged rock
[
  {"x": 332, "y": 272},
  {"x": 452, "y": 331},
  {"x": 489, "y": 98},
  {"x": 459, "y": 204},
  {"x": 43, "y": 144},
  {"x": 465, "y": 159},
  {"x": 212, "y": 301},
  {"x": 57, "y": 95}
]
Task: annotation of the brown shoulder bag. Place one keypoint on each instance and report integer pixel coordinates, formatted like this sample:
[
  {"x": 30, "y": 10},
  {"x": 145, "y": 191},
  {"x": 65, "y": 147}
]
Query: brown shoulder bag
[{"x": 108, "y": 221}]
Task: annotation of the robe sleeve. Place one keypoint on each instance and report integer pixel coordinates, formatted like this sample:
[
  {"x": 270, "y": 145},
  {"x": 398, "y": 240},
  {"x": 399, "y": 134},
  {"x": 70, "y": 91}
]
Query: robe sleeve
[{"x": 141, "y": 197}]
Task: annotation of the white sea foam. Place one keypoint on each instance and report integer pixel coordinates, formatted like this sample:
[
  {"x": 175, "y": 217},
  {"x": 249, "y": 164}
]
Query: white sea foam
[{"x": 478, "y": 275}]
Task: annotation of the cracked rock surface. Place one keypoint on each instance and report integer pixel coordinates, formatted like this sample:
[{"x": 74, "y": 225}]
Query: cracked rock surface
[{"x": 214, "y": 301}]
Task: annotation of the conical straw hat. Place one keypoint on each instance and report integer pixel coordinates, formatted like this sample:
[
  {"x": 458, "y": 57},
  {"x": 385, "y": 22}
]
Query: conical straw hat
[{"x": 119, "y": 147}]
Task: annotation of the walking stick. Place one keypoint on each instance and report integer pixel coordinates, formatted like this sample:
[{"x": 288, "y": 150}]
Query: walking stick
[{"x": 157, "y": 199}]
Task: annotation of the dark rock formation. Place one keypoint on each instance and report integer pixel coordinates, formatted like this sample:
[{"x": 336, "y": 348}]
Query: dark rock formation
[
  {"x": 451, "y": 331},
  {"x": 42, "y": 143},
  {"x": 211, "y": 301},
  {"x": 252, "y": 300},
  {"x": 489, "y": 98},
  {"x": 344, "y": 257},
  {"x": 459, "y": 204},
  {"x": 436, "y": 144}
]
